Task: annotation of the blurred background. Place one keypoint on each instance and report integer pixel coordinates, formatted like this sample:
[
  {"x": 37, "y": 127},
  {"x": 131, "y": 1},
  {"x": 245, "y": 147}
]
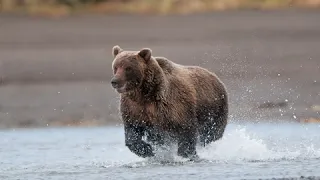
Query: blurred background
[{"x": 55, "y": 55}]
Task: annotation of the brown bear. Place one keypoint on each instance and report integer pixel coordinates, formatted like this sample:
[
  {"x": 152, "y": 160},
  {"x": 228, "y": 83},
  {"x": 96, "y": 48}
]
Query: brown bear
[{"x": 160, "y": 99}]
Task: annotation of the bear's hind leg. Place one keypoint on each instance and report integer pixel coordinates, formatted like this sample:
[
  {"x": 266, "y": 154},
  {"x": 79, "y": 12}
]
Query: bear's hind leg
[
  {"x": 187, "y": 145},
  {"x": 212, "y": 129},
  {"x": 212, "y": 121}
]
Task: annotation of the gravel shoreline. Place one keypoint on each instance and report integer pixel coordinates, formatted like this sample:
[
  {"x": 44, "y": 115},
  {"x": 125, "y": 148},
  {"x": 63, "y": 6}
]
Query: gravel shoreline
[{"x": 56, "y": 72}]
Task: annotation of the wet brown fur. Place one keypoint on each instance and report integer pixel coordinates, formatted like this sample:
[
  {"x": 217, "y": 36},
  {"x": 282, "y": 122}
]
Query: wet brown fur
[{"x": 173, "y": 98}]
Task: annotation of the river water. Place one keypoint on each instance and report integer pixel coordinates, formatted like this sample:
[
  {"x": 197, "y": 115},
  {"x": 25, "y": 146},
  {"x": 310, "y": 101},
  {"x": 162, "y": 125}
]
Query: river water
[{"x": 247, "y": 151}]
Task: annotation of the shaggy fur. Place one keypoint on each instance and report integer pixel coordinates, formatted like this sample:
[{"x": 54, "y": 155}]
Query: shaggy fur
[{"x": 160, "y": 97}]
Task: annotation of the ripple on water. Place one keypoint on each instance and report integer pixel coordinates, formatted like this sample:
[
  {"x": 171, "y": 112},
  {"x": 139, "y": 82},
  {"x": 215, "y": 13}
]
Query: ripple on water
[{"x": 248, "y": 152}]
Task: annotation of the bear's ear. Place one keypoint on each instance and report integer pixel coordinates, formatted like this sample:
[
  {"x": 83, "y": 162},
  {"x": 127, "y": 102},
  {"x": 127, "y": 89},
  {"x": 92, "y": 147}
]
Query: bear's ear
[
  {"x": 145, "y": 53},
  {"x": 116, "y": 50}
]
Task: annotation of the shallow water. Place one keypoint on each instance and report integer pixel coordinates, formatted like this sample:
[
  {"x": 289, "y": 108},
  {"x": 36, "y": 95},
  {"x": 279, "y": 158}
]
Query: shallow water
[{"x": 247, "y": 151}]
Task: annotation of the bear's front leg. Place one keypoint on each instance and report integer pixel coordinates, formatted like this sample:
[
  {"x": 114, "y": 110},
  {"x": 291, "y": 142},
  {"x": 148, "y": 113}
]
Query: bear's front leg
[
  {"x": 187, "y": 145},
  {"x": 133, "y": 140},
  {"x": 154, "y": 137}
]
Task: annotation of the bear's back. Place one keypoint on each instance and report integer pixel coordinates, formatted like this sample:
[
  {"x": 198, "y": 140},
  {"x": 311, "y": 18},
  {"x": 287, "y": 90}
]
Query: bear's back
[
  {"x": 199, "y": 79},
  {"x": 165, "y": 64}
]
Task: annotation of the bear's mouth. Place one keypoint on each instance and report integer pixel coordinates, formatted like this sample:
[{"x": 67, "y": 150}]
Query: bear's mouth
[{"x": 121, "y": 89}]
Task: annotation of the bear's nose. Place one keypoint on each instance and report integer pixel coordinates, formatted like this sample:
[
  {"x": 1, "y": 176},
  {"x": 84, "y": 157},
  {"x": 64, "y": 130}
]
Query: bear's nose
[{"x": 114, "y": 82}]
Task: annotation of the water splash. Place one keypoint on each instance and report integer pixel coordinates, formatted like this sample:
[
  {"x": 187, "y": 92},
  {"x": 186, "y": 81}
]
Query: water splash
[
  {"x": 240, "y": 145},
  {"x": 236, "y": 145}
]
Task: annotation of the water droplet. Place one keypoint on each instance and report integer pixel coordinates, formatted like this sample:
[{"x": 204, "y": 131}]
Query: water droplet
[
  {"x": 59, "y": 92},
  {"x": 278, "y": 74},
  {"x": 294, "y": 116},
  {"x": 54, "y": 109}
]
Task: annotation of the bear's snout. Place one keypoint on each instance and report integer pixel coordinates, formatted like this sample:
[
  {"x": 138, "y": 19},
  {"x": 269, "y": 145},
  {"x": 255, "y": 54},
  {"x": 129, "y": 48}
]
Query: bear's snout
[
  {"x": 115, "y": 82},
  {"x": 118, "y": 84}
]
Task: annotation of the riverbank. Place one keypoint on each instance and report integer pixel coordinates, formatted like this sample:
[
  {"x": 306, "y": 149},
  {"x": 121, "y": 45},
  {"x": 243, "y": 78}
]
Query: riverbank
[
  {"x": 59, "y": 8},
  {"x": 56, "y": 72}
]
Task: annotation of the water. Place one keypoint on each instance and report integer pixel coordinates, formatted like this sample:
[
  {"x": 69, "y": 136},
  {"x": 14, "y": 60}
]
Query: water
[{"x": 247, "y": 151}]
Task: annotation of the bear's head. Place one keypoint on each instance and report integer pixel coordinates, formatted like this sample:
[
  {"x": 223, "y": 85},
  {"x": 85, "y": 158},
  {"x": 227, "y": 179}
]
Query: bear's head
[{"x": 129, "y": 68}]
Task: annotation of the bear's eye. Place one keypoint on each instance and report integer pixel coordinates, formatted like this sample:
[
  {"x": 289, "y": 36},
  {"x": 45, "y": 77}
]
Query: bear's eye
[{"x": 128, "y": 69}]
